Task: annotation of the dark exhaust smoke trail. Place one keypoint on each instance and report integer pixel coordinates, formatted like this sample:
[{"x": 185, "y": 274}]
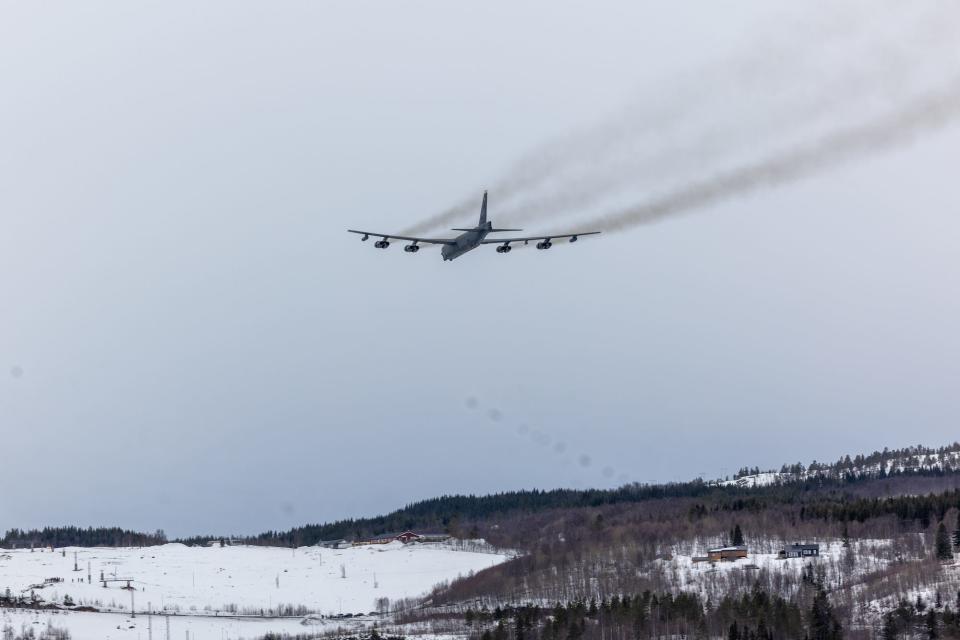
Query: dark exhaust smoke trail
[
  {"x": 899, "y": 128},
  {"x": 881, "y": 76},
  {"x": 765, "y": 69},
  {"x": 545, "y": 162}
]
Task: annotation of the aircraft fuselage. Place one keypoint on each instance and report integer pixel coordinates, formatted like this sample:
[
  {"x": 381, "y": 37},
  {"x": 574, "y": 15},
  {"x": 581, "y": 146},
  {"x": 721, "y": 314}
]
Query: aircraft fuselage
[{"x": 465, "y": 242}]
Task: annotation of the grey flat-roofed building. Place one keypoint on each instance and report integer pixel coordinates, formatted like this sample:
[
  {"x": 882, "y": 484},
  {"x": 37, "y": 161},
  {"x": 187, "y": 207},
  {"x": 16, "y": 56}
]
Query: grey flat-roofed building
[
  {"x": 334, "y": 544},
  {"x": 799, "y": 550}
]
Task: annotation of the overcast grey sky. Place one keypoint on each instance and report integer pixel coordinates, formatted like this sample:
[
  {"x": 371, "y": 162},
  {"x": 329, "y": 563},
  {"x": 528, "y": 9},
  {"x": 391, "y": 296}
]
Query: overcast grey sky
[{"x": 189, "y": 340}]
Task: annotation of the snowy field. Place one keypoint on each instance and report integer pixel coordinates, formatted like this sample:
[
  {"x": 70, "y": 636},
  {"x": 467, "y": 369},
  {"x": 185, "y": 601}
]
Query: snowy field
[
  {"x": 206, "y": 583},
  {"x": 112, "y": 626}
]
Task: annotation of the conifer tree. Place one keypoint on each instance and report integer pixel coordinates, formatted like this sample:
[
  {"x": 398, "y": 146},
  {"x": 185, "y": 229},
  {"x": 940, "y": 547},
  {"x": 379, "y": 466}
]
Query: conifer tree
[
  {"x": 823, "y": 623},
  {"x": 734, "y": 632},
  {"x": 944, "y": 549},
  {"x": 736, "y": 536},
  {"x": 890, "y": 630},
  {"x": 933, "y": 627}
]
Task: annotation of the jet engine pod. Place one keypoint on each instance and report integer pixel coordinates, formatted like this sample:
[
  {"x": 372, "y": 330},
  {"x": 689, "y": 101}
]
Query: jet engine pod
[
  {"x": 505, "y": 248},
  {"x": 381, "y": 244},
  {"x": 573, "y": 238},
  {"x": 546, "y": 244},
  {"x": 411, "y": 248}
]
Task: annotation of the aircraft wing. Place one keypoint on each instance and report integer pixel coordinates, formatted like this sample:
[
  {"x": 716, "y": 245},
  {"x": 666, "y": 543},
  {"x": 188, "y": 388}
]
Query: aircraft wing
[
  {"x": 573, "y": 238},
  {"x": 392, "y": 236}
]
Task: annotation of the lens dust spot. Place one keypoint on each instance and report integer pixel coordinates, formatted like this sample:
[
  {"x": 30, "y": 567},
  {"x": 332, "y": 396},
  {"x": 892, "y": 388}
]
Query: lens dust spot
[{"x": 540, "y": 437}]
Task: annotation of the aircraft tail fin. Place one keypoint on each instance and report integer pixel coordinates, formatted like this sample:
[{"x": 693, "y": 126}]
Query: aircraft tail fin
[{"x": 483, "y": 211}]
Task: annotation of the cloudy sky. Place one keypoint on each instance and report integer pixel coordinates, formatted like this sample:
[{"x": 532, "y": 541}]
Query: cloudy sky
[{"x": 189, "y": 340}]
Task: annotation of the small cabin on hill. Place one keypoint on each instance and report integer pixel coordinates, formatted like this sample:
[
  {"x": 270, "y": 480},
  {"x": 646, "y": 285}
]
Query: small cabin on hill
[
  {"x": 727, "y": 553},
  {"x": 431, "y": 536},
  {"x": 798, "y": 550},
  {"x": 387, "y": 538},
  {"x": 407, "y": 537}
]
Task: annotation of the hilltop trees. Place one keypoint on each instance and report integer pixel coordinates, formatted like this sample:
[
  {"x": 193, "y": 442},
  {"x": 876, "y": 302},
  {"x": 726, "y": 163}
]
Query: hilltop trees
[
  {"x": 459, "y": 513},
  {"x": 79, "y": 537}
]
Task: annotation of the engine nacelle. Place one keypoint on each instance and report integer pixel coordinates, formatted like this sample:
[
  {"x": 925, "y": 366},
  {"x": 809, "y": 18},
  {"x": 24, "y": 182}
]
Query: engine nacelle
[
  {"x": 411, "y": 248},
  {"x": 573, "y": 238},
  {"x": 381, "y": 244},
  {"x": 505, "y": 248},
  {"x": 546, "y": 244},
  {"x": 365, "y": 237}
]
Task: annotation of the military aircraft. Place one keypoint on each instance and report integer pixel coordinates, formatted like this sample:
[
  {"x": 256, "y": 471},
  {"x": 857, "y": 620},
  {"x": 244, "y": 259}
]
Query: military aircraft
[{"x": 470, "y": 238}]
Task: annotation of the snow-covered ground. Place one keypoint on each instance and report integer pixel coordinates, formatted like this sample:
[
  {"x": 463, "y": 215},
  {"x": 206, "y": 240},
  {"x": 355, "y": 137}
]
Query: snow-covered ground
[
  {"x": 112, "y": 626},
  {"x": 214, "y": 581},
  {"x": 870, "y": 556},
  {"x": 764, "y": 479}
]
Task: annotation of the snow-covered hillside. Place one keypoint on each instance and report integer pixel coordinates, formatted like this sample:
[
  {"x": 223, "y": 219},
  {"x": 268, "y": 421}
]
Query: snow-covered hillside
[
  {"x": 910, "y": 460},
  {"x": 224, "y": 581},
  {"x": 763, "y": 479}
]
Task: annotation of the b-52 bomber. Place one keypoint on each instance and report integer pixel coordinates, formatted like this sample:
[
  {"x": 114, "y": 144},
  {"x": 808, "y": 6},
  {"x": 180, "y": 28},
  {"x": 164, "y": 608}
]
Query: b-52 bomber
[{"x": 470, "y": 239}]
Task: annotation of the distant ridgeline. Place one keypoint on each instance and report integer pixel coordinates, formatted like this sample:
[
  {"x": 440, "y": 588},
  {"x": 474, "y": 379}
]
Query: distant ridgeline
[
  {"x": 449, "y": 513},
  {"x": 458, "y": 515},
  {"x": 917, "y": 460},
  {"x": 78, "y": 537}
]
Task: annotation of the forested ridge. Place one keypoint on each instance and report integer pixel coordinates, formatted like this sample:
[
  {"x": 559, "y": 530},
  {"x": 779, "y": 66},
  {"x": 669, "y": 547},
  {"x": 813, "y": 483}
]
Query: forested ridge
[
  {"x": 824, "y": 489},
  {"x": 80, "y": 537},
  {"x": 459, "y": 515}
]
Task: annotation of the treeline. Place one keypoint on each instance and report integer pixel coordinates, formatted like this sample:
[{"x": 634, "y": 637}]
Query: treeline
[
  {"x": 876, "y": 464},
  {"x": 79, "y": 537},
  {"x": 921, "y": 509},
  {"x": 755, "y": 615},
  {"x": 452, "y": 514},
  {"x": 908, "y": 458},
  {"x": 463, "y": 516},
  {"x": 459, "y": 515}
]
